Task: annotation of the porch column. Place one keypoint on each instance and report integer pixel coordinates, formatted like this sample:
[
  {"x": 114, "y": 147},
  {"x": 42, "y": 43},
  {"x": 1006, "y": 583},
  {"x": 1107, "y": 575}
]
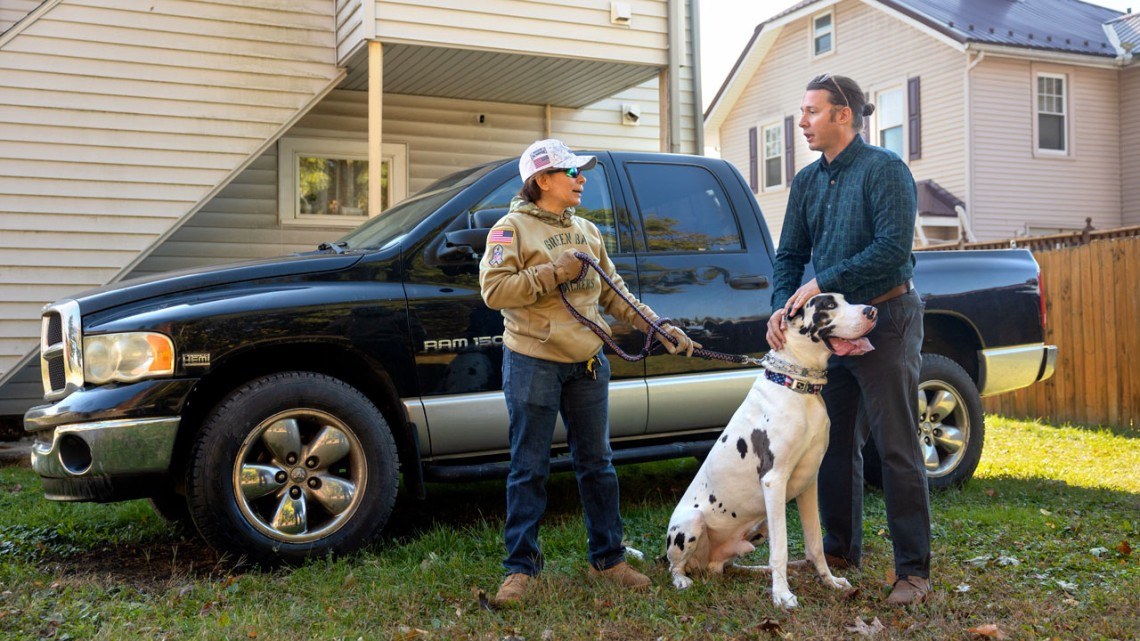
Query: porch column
[{"x": 375, "y": 117}]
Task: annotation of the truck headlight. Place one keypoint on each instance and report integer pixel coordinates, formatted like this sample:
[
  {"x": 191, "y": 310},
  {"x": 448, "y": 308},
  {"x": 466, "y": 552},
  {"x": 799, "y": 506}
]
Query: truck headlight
[{"x": 127, "y": 357}]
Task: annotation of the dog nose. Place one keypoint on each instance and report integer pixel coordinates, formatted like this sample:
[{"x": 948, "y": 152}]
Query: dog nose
[{"x": 870, "y": 312}]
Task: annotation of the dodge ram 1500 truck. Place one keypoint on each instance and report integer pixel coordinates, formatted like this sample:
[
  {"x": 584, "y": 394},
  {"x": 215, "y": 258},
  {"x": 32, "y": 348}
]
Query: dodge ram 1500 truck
[{"x": 275, "y": 403}]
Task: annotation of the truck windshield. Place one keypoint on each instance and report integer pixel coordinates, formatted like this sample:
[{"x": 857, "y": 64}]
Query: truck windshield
[{"x": 390, "y": 226}]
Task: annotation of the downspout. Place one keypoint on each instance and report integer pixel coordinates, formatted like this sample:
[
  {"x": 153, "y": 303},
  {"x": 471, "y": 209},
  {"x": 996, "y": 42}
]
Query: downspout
[
  {"x": 698, "y": 101},
  {"x": 676, "y": 52},
  {"x": 970, "y": 64}
]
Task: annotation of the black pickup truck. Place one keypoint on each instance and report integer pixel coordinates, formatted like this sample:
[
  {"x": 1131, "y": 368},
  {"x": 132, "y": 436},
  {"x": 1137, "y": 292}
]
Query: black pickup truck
[{"x": 274, "y": 404}]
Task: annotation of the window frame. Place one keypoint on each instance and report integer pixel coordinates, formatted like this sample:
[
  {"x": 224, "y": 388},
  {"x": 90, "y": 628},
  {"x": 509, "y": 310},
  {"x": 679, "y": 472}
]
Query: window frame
[
  {"x": 1066, "y": 115},
  {"x": 763, "y": 157},
  {"x": 290, "y": 149},
  {"x": 903, "y": 124},
  {"x": 813, "y": 34}
]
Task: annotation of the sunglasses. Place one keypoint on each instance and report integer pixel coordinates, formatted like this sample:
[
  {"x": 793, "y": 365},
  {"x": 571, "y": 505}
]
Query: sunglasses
[
  {"x": 573, "y": 172},
  {"x": 822, "y": 80}
]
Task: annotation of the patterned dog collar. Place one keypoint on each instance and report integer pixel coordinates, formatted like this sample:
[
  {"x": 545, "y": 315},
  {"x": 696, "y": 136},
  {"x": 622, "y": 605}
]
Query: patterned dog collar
[{"x": 792, "y": 383}]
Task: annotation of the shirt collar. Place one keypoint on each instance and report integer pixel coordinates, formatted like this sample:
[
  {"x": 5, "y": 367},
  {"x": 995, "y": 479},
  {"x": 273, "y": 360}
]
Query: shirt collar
[{"x": 845, "y": 157}]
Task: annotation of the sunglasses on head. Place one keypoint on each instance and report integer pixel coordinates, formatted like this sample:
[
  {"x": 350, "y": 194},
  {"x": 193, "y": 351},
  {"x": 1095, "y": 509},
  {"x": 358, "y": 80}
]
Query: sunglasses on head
[
  {"x": 573, "y": 172},
  {"x": 824, "y": 78}
]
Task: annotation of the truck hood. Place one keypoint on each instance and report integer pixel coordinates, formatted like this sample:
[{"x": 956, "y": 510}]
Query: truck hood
[{"x": 137, "y": 289}]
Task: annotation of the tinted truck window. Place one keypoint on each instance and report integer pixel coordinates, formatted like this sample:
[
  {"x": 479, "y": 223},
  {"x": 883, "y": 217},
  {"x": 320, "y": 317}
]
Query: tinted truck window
[{"x": 684, "y": 209}]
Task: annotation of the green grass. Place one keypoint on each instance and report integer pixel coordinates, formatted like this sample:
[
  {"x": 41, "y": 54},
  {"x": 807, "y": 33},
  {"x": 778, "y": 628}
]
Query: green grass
[{"x": 1033, "y": 545}]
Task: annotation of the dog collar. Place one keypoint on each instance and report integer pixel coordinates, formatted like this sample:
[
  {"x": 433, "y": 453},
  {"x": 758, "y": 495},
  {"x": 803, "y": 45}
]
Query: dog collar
[
  {"x": 793, "y": 384},
  {"x": 777, "y": 364}
]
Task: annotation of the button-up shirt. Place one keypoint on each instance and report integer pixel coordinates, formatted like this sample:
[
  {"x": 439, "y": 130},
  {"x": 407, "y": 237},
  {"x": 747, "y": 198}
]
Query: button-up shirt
[{"x": 853, "y": 218}]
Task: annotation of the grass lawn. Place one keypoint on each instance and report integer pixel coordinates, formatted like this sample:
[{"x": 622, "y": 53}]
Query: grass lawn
[{"x": 1038, "y": 545}]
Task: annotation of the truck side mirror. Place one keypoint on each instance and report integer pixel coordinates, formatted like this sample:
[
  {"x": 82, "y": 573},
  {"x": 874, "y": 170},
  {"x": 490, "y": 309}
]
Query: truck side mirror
[{"x": 463, "y": 245}]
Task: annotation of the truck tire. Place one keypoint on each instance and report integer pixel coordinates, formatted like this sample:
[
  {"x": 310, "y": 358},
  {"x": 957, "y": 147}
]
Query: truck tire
[
  {"x": 951, "y": 430},
  {"x": 290, "y": 466},
  {"x": 172, "y": 507}
]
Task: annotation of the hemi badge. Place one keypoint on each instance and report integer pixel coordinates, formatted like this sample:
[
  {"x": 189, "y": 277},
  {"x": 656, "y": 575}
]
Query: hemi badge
[{"x": 196, "y": 359}]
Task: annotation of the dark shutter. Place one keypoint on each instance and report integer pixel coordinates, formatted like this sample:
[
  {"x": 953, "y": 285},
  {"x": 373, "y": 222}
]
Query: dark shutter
[
  {"x": 753, "y": 165},
  {"x": 789, "y": 149},
  {"x": 914, "y": 118}
]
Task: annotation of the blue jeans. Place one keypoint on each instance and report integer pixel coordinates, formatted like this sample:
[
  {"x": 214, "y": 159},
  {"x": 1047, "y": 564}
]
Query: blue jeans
[
  {"x": 876, "y": 393},
  {"x": 537, "y": 391}
]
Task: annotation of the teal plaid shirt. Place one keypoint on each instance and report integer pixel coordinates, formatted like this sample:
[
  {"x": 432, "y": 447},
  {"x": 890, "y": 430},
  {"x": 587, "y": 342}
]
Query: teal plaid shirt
[{"x": 854, "y": 219}]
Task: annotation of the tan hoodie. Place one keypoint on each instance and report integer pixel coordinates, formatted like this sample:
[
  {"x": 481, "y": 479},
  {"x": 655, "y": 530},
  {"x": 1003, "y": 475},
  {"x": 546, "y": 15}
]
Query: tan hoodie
[{"x": 516, "y": 276}]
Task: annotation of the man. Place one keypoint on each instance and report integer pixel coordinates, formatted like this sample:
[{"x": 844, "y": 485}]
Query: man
[{"x": 852, "y": 214}]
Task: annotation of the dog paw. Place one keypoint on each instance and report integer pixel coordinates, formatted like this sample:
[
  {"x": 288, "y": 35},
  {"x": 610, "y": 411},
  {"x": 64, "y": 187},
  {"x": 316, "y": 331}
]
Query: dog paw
[
  {"x": 681, "y": 582},
  {"x": 786, "y": 600},
  {"x": 837, "y": 583}
]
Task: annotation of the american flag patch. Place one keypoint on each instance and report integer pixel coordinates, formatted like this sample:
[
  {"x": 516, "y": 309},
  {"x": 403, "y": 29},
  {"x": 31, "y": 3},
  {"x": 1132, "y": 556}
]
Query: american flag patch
[
  {"x": 539, "y": 158},
  {"x": 502, "y": 236}
]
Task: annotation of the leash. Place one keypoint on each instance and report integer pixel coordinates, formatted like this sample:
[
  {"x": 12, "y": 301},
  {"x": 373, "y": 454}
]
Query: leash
[{"x": 655, "y": 328}]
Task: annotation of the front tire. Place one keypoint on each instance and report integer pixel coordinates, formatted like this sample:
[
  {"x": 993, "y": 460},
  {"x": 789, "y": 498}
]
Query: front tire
[{"x": 292, "y": 465}]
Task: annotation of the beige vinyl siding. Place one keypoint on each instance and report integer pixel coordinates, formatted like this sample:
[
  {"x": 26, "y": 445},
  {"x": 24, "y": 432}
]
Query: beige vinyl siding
[
  {"x": 865, "y": 39},
  {"x": 12, "y": 11},
  {"x": 349, "y": 27},
  {"x": 117, "y": 119},
  {"x": 1013, "y": 186},
  {"x": 599, "y": 126},
  {"x": 1130, "y": 144},
  {"x": 544, "y": 27}
]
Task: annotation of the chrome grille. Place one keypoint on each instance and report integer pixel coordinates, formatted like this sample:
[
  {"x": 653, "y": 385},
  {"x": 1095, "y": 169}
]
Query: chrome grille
[{"x": 61, "y": 349}]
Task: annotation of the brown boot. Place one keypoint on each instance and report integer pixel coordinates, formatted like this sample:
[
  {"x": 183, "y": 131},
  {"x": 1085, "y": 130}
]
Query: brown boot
[
  {"x": 909, "y": 590},
  {"x": 624, "y": 575},
  {"x": 512, "y": 589}
]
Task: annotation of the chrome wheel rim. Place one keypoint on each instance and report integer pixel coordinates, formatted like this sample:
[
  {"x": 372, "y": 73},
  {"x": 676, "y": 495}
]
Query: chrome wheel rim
[
  {"x": 943, "y": 427},
  {"x": 299, "y": 476}
]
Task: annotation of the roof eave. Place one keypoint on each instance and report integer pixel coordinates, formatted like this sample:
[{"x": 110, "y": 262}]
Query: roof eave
[{"x": 1045, "y": 55}]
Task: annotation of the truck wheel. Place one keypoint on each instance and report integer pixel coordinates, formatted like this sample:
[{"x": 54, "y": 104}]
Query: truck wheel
[
  {"x": 172, "y": 507},
  {"x": 951, "y": 430},
  {"x": 292, "y": 465}
]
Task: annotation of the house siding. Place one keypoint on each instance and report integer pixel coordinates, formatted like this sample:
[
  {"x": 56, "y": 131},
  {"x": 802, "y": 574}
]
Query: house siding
[
  {"x": 350, "y": 32},
  {"x": 864, "y": 38},
  {"x": 1013, "y": 187},
  {"x": 1130, "y": 145},
  {"x": 116, "y": 119},
  {"x": 545, "y": 27},
  {"x": 12, "y": 11}
]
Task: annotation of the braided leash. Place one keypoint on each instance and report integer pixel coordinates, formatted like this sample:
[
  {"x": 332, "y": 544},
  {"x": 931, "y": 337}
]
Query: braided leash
[{"x": 655, "y": 326}]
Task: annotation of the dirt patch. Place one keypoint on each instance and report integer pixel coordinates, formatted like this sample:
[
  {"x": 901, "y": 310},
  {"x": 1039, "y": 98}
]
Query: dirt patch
[{"x": 151, "y": 568}]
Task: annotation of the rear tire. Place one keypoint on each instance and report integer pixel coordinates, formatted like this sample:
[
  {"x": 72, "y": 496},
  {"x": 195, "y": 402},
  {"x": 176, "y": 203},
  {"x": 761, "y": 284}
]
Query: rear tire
[
  {"x": 951, "y": 427},
  {"x": 292, "y": 465}
]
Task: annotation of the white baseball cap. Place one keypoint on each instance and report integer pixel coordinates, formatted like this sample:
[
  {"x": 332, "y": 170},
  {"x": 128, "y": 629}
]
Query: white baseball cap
[{"x": 551, "y": 153}]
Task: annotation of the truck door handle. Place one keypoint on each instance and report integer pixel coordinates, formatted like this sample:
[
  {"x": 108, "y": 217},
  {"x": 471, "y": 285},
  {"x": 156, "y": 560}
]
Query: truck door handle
[{"x": 748, "y": 282}]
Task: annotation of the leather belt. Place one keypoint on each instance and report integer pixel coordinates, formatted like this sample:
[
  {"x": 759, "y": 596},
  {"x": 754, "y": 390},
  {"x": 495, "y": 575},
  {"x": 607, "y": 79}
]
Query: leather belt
[{"x": 893, "y": 292}]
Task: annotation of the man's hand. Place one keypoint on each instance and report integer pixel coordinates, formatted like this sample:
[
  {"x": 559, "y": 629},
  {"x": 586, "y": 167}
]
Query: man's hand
[
  {"x": 567, "y": 267},
  {"x": 776, "y": 327},
  {"x": 800, "y": 298}
]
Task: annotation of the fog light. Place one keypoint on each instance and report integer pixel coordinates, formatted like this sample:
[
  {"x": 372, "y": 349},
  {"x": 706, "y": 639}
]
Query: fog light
[{"x": 74, "y": 454}]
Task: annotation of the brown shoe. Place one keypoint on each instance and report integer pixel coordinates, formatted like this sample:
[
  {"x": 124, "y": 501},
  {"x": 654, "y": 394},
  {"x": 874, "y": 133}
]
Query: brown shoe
[
  {"x": 624, "y": 575},
  {"x": 909, "y": 590},
  {"x": 512, "y": 589}
]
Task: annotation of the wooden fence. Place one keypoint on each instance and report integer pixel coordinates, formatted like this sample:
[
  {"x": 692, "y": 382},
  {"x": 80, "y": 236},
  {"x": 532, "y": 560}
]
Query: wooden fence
[{"x": 1092, "y": 295}]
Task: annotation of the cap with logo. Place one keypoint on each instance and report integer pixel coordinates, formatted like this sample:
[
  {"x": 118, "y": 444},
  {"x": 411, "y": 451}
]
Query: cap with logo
[{"x": 551, "y": 153}]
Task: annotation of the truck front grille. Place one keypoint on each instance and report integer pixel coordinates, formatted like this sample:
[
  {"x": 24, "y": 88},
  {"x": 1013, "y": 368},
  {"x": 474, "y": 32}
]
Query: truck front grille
[{"x": 61, "y": 350}]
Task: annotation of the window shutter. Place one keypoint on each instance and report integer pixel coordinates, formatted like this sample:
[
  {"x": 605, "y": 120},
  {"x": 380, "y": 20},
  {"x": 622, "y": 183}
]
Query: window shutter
[
  {"x": 789, "y": 149},
  {"x": 914, "y": 118},
  {"x": 753, "y": 164}
]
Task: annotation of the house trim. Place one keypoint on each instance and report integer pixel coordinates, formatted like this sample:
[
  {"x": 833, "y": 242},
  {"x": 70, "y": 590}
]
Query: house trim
[
  {"x": 1042, "y": 55},
  {"x": 812, "y": 55},
  {"x": 32, "y": 16},
  {"x": 1068, "y": 153}
]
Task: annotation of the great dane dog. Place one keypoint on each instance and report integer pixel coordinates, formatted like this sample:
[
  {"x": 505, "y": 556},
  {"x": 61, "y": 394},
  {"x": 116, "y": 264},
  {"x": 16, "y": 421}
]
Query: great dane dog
[{"x": 769, "y": 454}]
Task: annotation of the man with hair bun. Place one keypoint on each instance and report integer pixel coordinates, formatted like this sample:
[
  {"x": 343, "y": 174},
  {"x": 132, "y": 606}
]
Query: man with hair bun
[{"x": 852, "y": 213}]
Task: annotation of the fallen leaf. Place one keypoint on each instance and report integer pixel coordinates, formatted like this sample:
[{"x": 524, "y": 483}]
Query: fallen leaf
[
  {"x": 1124, "y": 548},
  {"x": 251, "y": 633},
  {"x": 1046, "y": 512},
  {"x": 770, "y": 626},
  {"x": 349, "y": 581},
  {"x": 965, "y": 587},
  {"x": 481, "y": 598},
  {"x": 850, "y": 595},
  {"x": 979, "y": 561},
  {"x": 990, "y": 492},
  {"x": 866, "y": 629},
  {"x": 988, "y": 630},
  {"x": 1066, "y": 586},
  {"x": 891, "y": 577},
  {"x": 1071, "y": 601},
  {"x": 1008, "y": 560},
  {"x": 1098, "y": 552}
]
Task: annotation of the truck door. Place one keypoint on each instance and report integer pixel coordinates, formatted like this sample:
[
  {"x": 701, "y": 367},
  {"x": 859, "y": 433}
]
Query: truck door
[
  {"x": 459, "y": 359},
  {"x": 703, "y": 261}
]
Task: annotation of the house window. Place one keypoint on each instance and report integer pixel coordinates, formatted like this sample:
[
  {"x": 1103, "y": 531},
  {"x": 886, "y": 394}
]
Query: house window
[
  {"x": 324, "y": 182},
  {"x": 890, "y": 115},
  {"x": 823, "y": 34},
  {"x": 1051, "y": 113},
  {"x": 773, "y": 156}
]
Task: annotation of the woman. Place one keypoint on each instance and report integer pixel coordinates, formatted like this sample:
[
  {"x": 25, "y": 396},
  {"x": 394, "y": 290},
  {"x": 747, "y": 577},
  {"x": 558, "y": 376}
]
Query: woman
[{"x": 553, "y": 364}]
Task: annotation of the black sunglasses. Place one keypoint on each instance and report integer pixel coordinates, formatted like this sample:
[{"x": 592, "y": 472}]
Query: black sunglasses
[{"x": 822, "y": 80}]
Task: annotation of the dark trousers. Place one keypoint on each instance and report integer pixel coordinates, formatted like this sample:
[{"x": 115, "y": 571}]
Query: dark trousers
[{"x": 884, "y": 386}]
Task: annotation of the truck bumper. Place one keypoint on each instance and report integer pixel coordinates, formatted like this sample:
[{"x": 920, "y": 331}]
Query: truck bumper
[
  {"x": 82, "y": 454},
  {"x": 1010, "y": 368}
]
